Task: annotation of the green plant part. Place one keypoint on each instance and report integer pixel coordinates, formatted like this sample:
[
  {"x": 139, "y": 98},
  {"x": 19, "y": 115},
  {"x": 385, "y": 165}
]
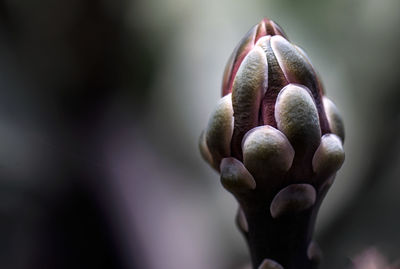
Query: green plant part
[{"x": 277, "y": 143}]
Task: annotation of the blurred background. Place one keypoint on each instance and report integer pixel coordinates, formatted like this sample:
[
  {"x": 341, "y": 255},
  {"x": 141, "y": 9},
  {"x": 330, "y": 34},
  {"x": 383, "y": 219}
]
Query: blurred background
[{"x": 102, "y": 103}]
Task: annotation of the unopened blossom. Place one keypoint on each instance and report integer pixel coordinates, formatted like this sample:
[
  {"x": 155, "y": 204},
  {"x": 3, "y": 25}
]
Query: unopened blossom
[{"x": 277, "y": 142}]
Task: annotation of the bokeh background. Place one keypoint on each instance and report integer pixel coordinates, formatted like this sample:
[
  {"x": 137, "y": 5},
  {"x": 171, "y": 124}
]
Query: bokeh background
[{"x": 102, "y": 103}]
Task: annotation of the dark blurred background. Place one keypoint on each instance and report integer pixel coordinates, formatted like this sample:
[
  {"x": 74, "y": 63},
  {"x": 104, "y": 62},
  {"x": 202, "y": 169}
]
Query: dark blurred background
[{"x": 102, "y": 103}]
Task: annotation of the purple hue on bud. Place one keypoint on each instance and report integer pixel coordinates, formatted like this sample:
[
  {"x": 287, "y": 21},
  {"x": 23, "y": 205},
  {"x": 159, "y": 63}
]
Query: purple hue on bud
[
  {"x": 284, "y": 64},
  {"x": 277, "y": 142}
]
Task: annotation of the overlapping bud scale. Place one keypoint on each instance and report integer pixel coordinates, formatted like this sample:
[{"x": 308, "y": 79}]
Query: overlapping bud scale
[
  {"x": 273, "y": 134},
  {"x": 270, "y": 82}
]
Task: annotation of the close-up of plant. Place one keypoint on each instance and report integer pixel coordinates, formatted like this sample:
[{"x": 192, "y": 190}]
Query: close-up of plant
[
  {"x": 120, "y": 148},
  {"x": 277, "y": 142}
]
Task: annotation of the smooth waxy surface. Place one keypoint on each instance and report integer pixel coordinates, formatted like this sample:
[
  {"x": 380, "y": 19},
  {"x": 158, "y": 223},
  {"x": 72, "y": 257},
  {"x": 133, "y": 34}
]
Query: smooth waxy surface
[
  {"x": 297, "y": 117},
  {"x": 329, "y": 156},
  {"x": 266, "y": 150},
  {"x": 264, "y": 28},
  {"x": 335, "y": 120},
  {"x": 235, "y": 177},
  {"x": 298, "y": 69},
  {"x": 205, "y": 153},
  {"x": 242, "y": 49},
  {"x": 248, "y": 88},
  {"x": 293, "y": 199},
  {"x": 294, "y": 64},
  {"x": 276, "y": 81},
  {"x": 219, "y": 130}
]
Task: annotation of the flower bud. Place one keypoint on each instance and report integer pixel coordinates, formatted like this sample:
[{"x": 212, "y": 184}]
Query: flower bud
[
  {"x": 277, "y": 142},
  {"x": 270, "y": 81}
]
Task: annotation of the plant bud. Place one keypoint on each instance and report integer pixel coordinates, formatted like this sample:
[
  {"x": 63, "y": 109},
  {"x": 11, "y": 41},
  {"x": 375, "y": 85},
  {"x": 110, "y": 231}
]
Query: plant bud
[
  {"x": 268, "y": 81},
  {"x": 277, "y": 142}
]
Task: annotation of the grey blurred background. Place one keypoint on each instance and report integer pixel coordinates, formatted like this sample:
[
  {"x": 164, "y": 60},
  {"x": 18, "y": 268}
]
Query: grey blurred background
[{"x": 102, "y": 103}]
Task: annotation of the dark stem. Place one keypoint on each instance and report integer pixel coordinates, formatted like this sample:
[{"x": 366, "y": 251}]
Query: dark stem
[{"x": 285, "y": 239}]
